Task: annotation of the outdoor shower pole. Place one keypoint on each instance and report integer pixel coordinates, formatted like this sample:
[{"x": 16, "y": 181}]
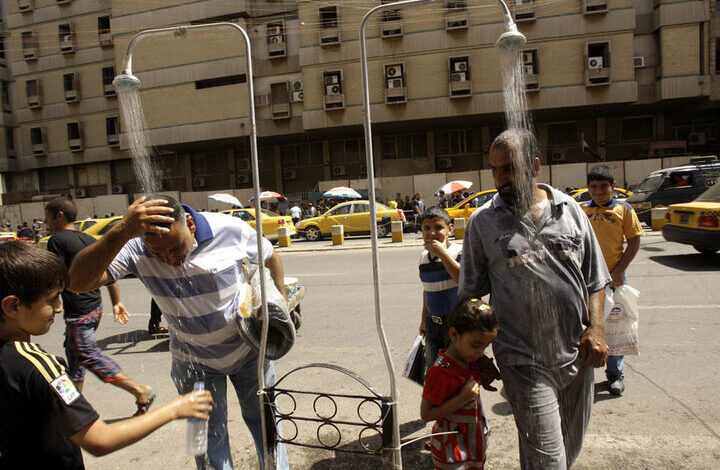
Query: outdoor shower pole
[
  {"x": 396, "y": 462},
  {"x": 269, "y": 457}
]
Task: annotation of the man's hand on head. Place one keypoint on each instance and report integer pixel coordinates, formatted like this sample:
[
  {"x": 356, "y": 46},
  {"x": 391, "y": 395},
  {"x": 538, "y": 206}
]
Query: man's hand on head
[{"x": 143, "y": 216}]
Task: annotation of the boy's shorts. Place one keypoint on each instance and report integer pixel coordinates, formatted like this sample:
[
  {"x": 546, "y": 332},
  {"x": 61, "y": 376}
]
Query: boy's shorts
[
  {"x": 83, "y": 352},
  {"x": 436, "y": 338}
]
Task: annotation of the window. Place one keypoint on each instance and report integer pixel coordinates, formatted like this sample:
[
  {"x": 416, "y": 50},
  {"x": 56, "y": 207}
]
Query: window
[
  {"x": 454, "y": 7},
  {"x": 299, "y": 155},
  {"x": 108, "y": 75},
  {"x": 391, "y": 22},
  {"x": 598, "y": 63},
  {"x": 280, "y": 100},
  {"x": 342, "y": 210},
  {"x": 71, "y": 86},
  {"x": 33, "y": 93},
  {"x": 717, "y": 55},
  {"x": 276, "y": 39},
  {"x": 36, "y": 135},
  {"x": 395, "y": 91},
  {"x": 10, "y": 142},
  {"x": 360, "y": 207},
  {"x": 564, "y": 133},
  {"x": 404, "y": 146},
  {"x": 333, "y": 97},
  {"x": 347, "y": 151},
  {"x": 5, "y": 96},
  {"x": 524, "y": 10},
  {"x": 104, "y": 32},
  {"x": 219, "y": 81},
  {"x": 111, "y": 129},
  {"x": 107, "y": 228},
  {"x": 67, "y": 37},
  {"x": 456, "y": 15},
  {"x": 594, "y": 6},
  {"x": 460, "y": 84},
  {"x": 458, "y": 142},
  {"x": 73, "y": 130},
  {"x": 2, "y": 48},
  {"x": 637, "y": 129},
  {"x": 244, "y": 215},
  {"x": 530, "y": 69},
  {"x": 328, "y": 17},
  {"x": 29, "y": 45}
]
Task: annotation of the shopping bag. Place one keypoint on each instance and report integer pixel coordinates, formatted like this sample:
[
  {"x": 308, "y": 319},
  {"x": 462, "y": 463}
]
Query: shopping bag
[
  {"x": 415, "y": 363},
  {"x": 621, "y": 321}
]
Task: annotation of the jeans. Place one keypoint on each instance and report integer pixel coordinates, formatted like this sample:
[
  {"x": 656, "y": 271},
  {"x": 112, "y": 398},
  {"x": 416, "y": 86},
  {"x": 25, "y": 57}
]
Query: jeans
[
  {"x": 614, "y": 368},
  {"x": 82, "y": 351},
  {"x": 552, "y": 411},
  {"x": 245, "y": 382}
]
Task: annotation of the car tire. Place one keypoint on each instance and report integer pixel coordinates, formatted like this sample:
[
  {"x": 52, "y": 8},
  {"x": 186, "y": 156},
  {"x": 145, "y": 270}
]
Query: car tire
[
  {"x": 706, "y": 251},
  {"x": 382, "y": 230},
  {"x": 312, "y": 233}
]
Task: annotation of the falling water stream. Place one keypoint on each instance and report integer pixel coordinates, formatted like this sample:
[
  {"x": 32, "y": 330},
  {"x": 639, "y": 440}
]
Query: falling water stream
[{"x": 136, "y": 132}]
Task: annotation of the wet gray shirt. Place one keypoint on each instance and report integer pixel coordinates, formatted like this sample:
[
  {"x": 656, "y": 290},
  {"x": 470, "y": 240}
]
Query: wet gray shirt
[{"x": 538, "y": 277}]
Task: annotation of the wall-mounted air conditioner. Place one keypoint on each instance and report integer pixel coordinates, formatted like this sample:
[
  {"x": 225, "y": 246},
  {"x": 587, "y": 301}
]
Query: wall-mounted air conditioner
[
  {"x": 25, "y": 5},
  {"x": 339, "y": 170},
  {"x": 80, "y": 192},
  {"x": 443, "y": 163},
  {"x": 243, "y": 178},
  {"x": 113, "y": 140},
  {"x": 639, "y": 61},
  {"x": 106, "y": 39},
  {"x": 117, "y": 189},
  {"x": 198, "y": 182},
  {"x": 289, "y": 174},
  {"x": 595, "y": 62},
  {"x": 558, "y": 156},
  {"x": 697, "y": 138}
]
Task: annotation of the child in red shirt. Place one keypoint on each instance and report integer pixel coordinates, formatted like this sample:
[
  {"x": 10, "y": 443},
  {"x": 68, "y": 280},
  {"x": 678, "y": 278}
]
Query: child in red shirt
[{"x": 451, "y": 395}]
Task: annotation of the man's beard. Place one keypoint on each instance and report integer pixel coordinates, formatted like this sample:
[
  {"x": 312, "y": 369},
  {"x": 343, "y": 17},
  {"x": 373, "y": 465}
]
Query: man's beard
[{"x": 508, "y": 194}]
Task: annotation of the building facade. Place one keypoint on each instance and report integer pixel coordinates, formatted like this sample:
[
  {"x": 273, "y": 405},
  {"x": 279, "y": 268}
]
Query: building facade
[{"x": 635, "y": 79}]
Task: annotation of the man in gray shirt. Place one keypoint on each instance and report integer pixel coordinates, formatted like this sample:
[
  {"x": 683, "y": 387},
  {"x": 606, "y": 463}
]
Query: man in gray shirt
[{"x": 545, "y": 273}]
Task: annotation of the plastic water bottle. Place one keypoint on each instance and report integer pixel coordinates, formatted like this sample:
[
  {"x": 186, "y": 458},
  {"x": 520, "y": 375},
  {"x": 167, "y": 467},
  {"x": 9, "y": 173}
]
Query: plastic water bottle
[{"x": 197, "y": 430}]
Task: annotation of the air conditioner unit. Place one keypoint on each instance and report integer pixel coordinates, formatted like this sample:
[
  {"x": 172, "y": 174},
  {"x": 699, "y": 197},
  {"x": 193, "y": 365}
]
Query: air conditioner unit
[
  {"x": 80, "y": 192},
  {"x": 116, "y": 189},
  {"x": 329, "y": 37},
  {"x": 109, "y": 89},
  {"x": 62, "y": 2},
  {"x": 243, "y": 178},
  {"x": 558, "y": 156},
  {"x": 393, "y": 71},
  {"x": 395, "y": 83},
  {"x": 697, "y": 138},
  {"x": 25, "y": 5},
  {"x": 363, "y": 170},
  {"x": 261, "y": 100},
  {"x": 289, "y": 174},
  {"x": 339, "y": 170},
  {"x": 639, "y": 61},
  {"x": 460, "y": 66},
  {"x": 331, "y": 79},
  {"x": 298, "y": 96},
  {"x": 198, "y": 182},
  {"x": 297, "y": 85},
  {"x": 75, "y": 145},
  {"x": 595, "y": 62},
  {"x": 113, "y": 140},
  {"x": 243, "y": 164},
  {"x": 443, "y": 163},
  {"x": 458, "y": 77},
  {"x": 275, "y": 30},
  {"x": 67, "y": 44},
  {"x": 528, "y": 69},
  {"x": 456, "y": 23},
  {"x": 276, "y": 39},
  {"x": 527, "y": 57},
  {"x": 331, "y": 90},
  {"x": 33, "y": 101},
  {"x": 71, "y": 96},
  {"x": 106, "y": 39}
]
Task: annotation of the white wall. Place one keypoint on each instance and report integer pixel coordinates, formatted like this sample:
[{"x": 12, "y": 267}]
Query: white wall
[{"x": 637, "y": 170}]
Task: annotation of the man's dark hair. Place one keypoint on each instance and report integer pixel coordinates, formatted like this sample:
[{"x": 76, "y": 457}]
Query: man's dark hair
[
  {"x": 28, "y": 272},
  {"x": 601, "y": 173},
  {"x": 64, "y": 205},
  {"x": 178, "y": 211},
  {"x": 470, "y": 315},
  {"x": 435, "y": 213}
]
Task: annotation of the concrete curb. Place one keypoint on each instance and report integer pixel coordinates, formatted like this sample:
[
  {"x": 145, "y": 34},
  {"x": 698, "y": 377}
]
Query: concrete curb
[{"x": 382, "y": 245}]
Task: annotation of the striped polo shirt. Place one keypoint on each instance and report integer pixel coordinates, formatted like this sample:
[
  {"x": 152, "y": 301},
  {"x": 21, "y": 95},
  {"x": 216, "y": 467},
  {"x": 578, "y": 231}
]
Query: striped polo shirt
[
  {"x": 441, "y": 291},
  {"x": 199, "y": 298}
]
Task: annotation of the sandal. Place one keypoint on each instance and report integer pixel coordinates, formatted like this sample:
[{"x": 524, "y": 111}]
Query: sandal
[
  {"x": 143, "y": 407},
  {"x": 157, "y": 329}
]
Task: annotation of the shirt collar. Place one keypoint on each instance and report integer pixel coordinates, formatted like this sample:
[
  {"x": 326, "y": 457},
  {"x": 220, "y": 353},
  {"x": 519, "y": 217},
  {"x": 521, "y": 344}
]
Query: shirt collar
[
  {"x": 203, "y": 232},
  {"x": 610, "y": 204}
]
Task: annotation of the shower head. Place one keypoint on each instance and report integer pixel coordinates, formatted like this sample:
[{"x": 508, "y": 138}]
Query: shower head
[
  {"x": 126, "y": 81},
  {"x": 511, "y": 39}
]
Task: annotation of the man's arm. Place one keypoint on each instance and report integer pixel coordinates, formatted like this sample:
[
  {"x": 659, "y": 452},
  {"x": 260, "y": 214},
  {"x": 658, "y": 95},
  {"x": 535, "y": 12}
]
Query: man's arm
[
  {"x": 424, "y": 314},
  {"x": 119, "y": 311},
  {"x": 618, "y": 274},
  {"x": 88, "y": 270},
  {"x": 593, "y": 350},
  {"x": 277, "y": 273},
  {"x": 440, "y": 251}
]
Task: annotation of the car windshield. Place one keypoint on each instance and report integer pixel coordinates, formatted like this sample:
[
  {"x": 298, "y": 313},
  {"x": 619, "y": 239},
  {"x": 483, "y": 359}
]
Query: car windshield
[
  {"x": 650, "y": 184},
  {"x": 711, "y": 195},
  {"x": 268, "y": 213}
]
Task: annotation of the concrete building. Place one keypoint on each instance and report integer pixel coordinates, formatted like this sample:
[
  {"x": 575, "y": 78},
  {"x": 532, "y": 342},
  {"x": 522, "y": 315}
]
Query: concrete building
[{"x": 637, "y": 79}]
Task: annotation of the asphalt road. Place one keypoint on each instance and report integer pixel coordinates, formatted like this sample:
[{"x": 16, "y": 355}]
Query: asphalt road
[{"x": 668, "y": 417}]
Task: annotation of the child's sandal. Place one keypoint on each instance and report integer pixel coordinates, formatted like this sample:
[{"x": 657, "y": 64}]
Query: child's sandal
[{"x": 143, "y": 407}]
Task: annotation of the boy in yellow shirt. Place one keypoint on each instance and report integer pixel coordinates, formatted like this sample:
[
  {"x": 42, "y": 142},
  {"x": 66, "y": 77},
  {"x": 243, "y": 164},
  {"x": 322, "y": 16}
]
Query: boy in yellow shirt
[{"x": 614, "y": 223}]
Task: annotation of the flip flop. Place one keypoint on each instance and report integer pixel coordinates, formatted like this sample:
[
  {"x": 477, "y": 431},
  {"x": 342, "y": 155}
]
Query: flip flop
[{"x": 143, "y": 407}]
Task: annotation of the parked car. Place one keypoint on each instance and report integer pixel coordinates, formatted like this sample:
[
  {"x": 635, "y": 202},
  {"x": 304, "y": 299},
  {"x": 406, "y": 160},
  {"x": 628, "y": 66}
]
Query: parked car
[
  {"x": 674, "y": 186},
  {"x": 467, "y": 206},
  {"x": 696, "y": 223},
  {"x": 80, "y": 225},
  {"x": 271, "y": 221},
  {"x": 354, "y": 216},
  {"x": 582, "y": 195},
  {"x": 7, "y": 236}
]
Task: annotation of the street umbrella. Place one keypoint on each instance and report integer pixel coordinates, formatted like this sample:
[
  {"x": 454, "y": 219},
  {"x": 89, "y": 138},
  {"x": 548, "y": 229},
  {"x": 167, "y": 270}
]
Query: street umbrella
[
  {"x": 454, "y": 186},
  {"x": 270, "y": 196},
  {"x": 226, "y": 198},
  {"x": 341, "y": 192}
]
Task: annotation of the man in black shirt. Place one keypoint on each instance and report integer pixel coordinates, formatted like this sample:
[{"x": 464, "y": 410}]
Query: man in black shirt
[{"x": 83, "y": 311}]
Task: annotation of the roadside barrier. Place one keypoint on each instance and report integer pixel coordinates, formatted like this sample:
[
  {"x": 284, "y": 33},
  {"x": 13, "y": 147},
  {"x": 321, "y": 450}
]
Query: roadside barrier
[
  {"x": 283, "y": 236},
  {"x": 459, "y": 225},
  {"x": 397, "y": 230},
  {"x": 658, "y": 217},
  {"x": 338, "y": 234}
]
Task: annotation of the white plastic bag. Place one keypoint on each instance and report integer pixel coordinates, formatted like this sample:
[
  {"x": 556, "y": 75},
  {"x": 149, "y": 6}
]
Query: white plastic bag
[
  {"x": 415, "y": 363},
  {"x": 621, "y": 320}
]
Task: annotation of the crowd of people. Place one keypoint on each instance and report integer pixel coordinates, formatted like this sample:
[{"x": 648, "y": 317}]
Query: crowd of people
[{"x": 545, "y": 266}]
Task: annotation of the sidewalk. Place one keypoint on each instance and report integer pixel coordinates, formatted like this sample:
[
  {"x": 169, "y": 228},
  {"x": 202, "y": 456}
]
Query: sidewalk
[{"x": 360, "y": 242}]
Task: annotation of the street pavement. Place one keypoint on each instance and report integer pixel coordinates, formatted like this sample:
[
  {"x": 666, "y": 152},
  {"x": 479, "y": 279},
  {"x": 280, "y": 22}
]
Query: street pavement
[{"x": 668, "y": 417}]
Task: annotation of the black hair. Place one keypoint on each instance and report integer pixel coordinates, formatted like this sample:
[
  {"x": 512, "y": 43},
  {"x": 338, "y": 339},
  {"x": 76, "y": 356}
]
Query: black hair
[
  {"x": 470, "y": 315},
  {"x": 64, "y": 205},
  {"x": 601, "y": 173},
  {"x": 515, "y": 140},
  {"x": 435, "y": 212},
  {"x": 178, "y": 214},
  {"x": 29, "y": 272}
]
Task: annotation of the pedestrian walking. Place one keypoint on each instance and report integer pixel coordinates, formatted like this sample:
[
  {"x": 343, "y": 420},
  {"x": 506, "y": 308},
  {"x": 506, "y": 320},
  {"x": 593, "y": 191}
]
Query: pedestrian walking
[
  {"x": 538, "y": 258},
  {"x": 614, "y": 222}
]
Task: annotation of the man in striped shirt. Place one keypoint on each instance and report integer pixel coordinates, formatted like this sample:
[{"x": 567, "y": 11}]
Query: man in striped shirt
[{"x": 191, "y": 263}]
